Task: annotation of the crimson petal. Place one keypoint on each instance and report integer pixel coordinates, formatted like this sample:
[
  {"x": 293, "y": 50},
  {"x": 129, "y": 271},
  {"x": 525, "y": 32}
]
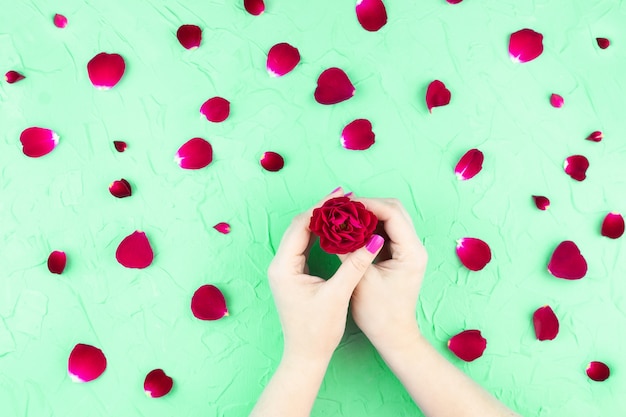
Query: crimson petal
[
  {"x": 603, "y": 43},
  {"x": 468, "y": 345},
  {"x": 189, "y": 36},
  {"x": 38, "y": 141},
  {"x": 120, "y": 188},
  {"x": 254, "y": 7},
  {"x": 437, "y": 95},
  {"x": 120, "y": 145},
  {"x": 576, "y": 167},
  {"x": 272, "y": 161},
  {"x": 222, "y": 227},
  {"x": 598, "y": 371},
  {"x": 282, "y": 59},
  {"x": 371, "y": 14},
  {"x": 358, "y": 135},
  {"x": 134, "y": 251},
  {"x": 567, "y": 262},
  {"x": 196, "y": 153},
  {"x": 595, "y": 136},
  {"x": 106, "y": 70},
  {"x": 60, "y": 21},
  {"x": 216, "y": 109},
  {"x": 208, "y": 303},
  {"x": 454, "y": 1},
  {"x": 546, "y": 323},
  {"x": 613, "y": 226},
  {"x": 333, "y": 86},
  {"x": 556, "y": 101},
  {"x": 525, "y": 45},
  {"x": 474, "y": 253},
  {"x": 542, "y": 203},
  {"x": 157, "y": 383},
  {"x": 13, "y": 77},
  {"x": 56, "y": 262},
  {"x": 469, "y": 165},
  {"x": 86, "y": 363}
]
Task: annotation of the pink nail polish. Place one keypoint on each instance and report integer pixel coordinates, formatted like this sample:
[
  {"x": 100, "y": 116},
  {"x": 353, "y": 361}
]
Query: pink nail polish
[
  {"x": 349, "y": 194},
  {"x": 374, "y": 243},
  {"x": 335, "y": 190}
]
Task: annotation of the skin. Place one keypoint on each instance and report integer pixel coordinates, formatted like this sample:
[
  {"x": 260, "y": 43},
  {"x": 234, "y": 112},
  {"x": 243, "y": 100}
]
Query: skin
[{"x": 383, "y": 298}]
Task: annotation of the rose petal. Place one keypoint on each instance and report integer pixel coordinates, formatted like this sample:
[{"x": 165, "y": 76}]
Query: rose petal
[
  {"x": 106, "y": 70},
  {"x": 56, "y": 262},
  {"x": 613, "y": 225},
  {"x": 189, "y": 36},
  {"x": 272, "y": 161},
  {"x": 576, "y": 167},
  {"x": 469, "y": 165},
  {"x": 86, "y": 363},
  {"x": 13, "y": 77},
  {"x": 595, "y": 136},
  {"x": 468, "y": 345},
  {"x": 120, "y": 146},
  {"x": 254, "y": 7},
  {"x": 454, "y": 1},
  {"x": 134, "y": 251},
  {"x": 598, "y": 371},
  {"x": 371, "y": 14},
  {"x": 208, "y": 303},
  {"x": 556, "y": 101},
  {"x": 567, "y": 262},
  {"x": 358, "y": 135},
  {"x": 437, "y": 95},
  {"x": 474, "y": 253},
  {"x": 60, "y": 21},
  {"x": 157, "y": 383},
  {"x": 603, "y": 43},
  {"x": 333, "y": 86},
  {"x": 120, "y": 188},
  {"x": 215, "y": 109},
  {"x": 38, "y": 141},
  {"x": 196, "y": 153},
  {"x": 282, "y": 59},
  {"x": 542, "y": 203},
  {"x": 525, "y": 45},
  {"x": 223, "y": 228},
  {"x": 546, "y": 323}
]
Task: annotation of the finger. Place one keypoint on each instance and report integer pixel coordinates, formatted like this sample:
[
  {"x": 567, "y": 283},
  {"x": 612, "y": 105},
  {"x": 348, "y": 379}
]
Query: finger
[{"x": 354, "y": 266}]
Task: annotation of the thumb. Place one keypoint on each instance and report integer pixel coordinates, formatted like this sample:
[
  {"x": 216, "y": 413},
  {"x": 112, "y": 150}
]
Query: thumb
[{"x": 355, "y": 264}]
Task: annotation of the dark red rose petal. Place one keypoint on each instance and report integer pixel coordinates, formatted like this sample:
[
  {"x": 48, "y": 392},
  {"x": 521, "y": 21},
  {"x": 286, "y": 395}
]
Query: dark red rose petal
[
  {"x": 576, "y": 167},
  {"x": 38, "y": 141},
  {"x": 613, "y": 225},
  {"x": 525, "y": 45},
  {"x": 567, "y": 262},
  {"x": 437, "y": 95},
  {"x": 542, "y": 203},
  {"x": 598, "y": 371},
  {"x": 454, "y": 1},
  {"x": 222, "y": 227},
  {"x": 333, "y": 86},
  {"x": 474, "y": 253},
  {"x": 603, "y": 43},
  {"x": 13, "y": 77},
  {"x": 469, "y": 165},
  {"x": 358, "y": 135},
  {"x": 216, "y": 109},
  {"x": 189, "y": 36},
  {"x": 86, "y": 363},
  {"x": 196, "y": 153},
  {"x": 208, "y": 303},
  {"x": 134, "y": 251},
  {"x": 60, "y": 21},
  {"x": 556, "y": 101},
  {"x": 56, "y": 262},
  {"x": 546, "y": 323},
  {"x": 272, "y": 161},
  {"x": 371, "y": 14},
  {"x": 595, "y": 136},
  {"x": 120, "y": 188},
  {"x": 282, "y": 59},
  {"x": 254, "y": 7},
  {"x": 468, "y": 345},
  {"x": 120, "y": 146},
  {"x": 157, "y": 383},
  {"x": 106, "y": 70}
]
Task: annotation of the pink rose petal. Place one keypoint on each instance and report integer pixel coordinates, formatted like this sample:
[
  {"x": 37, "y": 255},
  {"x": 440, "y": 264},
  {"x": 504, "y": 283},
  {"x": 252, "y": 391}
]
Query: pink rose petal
[
  {"x": 469, "y": 165},
  {"x": 157, "y": 383},
  {"x": 437, "y": 95},
  {"x": 215, "y": 109},
  {"x": 333, "y": 86},
  {"x": 454, "y": 1},
  {"x": 223, "y": 228},
  {"x": 567, "y": 262},
  {"x": 56, "y": 262},
  {"x": 134, "y": 251},
  {"x": 468, "y": 345},
  {"x": 546, "y": 323},
  {"x": 86, "y": 363},
  {"x": 254, "y": 7},
  {"x": 106, "y": 70},
  {"x": 542, "y": 203},
  {"x": 272, "y": 161},
  {"x": 613, "y": 225},
  {"x": 120, "y": 188},
  {"x": 120, "y": 145},
  {"x": 556, "y": 101},
  {"x": 525, "y": 45},
  {"x": 576, "y": 167},
  {"x": 598, "y": 371},
  {"x": 60, "y": 21},
  {"x": 13, "y": 77},
  {"x": 208, "y": 303},
  {"x": 358, "y": 135},
  {"x": 38, "y": 141},
  {"x": 282, "y": 59},
  {"x": 603, "y": 43},
  {"x": 371, "y": 14},
  {"x": 595, "y": 136},
  {"x": 189, "y": 36},
  {"x": 473, "y": 253},
  {"x": 196, "y": 153}
]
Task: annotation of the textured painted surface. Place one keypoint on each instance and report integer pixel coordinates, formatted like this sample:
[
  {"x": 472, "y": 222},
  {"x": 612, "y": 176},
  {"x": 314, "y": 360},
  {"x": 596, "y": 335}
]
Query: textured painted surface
[{"x": 141, "y": 318}]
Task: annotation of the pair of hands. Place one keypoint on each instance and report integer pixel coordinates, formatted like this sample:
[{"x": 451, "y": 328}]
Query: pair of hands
[{"x": 384, "y": 295}]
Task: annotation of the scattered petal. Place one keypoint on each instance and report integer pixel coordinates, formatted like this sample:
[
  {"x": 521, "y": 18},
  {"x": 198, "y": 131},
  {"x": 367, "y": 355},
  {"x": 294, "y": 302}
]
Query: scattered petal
[
  {"x": 13, "y": 77},
  {"x": 38, "y": 141},
  {"x": 157, "y": 383},
  {"x": 333, "y": 86},
  {"x": 613, "y": 225},
  {"x": 120, "y": 188},
  {"x": 437, "y": 95},
  {"x": 196, "y": 153},
  {"x": 358, "y": 135},
  {"x": 556, "y": 101},
  {"x": 567, "y": 262},
  {"x": 542, "y": 203},
  {"x": 468, "y": 345},
  {"x": 282, "y": 59},
  {"x": 371, "y": 14},
  {"x": 272, "y": 161},
  {"x": 546, "y": 323},
  {"x": 134, "y": 251},
  {"x": 474, "y": 253},
  {"x": 595, "y": 136},
  {"x": 189, "y": 36},
  {"x": 254, "y": 7},
  {"x": 603, "y": 43},
  {"x": 525, "y": 45},
  {"x": 208, "y": 303},
  {"x": 216, "y": 109},
  {"x": 469, "y": 165},
  {"x": 56, "y": 262},
  {"x": 576, "y": 167},
  {"x": 598, "y": 371},
  {"x": 86, "y": 363},
  {"x": 60, "y": 21},
  {"x": 106, "y": 70},
  {"x": 223, "y": 228},
  {"x": 454, "y": 1},
  {"x": 120, "y": 145}
]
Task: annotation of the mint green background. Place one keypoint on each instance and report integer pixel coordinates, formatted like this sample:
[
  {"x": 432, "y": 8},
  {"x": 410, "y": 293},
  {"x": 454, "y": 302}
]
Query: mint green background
[{"x": 141, "y": 318}]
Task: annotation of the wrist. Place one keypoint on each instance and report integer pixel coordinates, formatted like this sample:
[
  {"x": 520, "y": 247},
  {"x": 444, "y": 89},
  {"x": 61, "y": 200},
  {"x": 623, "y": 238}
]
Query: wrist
[
  {"x": 305, "y": 362},
  {"x": 398, "y": 337}
]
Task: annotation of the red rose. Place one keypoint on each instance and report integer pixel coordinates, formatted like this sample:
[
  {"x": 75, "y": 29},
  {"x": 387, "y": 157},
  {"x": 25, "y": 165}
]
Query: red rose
[{"x": 343, "y": 225}]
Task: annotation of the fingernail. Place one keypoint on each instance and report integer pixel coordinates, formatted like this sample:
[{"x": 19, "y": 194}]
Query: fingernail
[
  {"x": 335, "y": 190},
  {"x": 349, "y": 194},
  {"x": 374, "y": 243}
]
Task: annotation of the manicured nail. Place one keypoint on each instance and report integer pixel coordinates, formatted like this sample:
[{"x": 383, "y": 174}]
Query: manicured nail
[
  {"x": 349, "y": 194},
  {"x": 335, "y": 190},
  {"x": 374, "y": 243}
]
